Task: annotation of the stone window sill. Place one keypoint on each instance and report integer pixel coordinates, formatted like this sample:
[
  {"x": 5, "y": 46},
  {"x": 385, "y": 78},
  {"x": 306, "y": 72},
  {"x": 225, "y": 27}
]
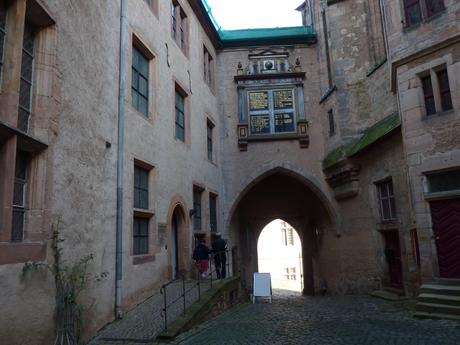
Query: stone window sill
[
  {"x": 143, "y": 259},
  {"x": 270, "y": 137},
  {"x": 12, "y": 253},
  {"x": 388, "y": 225},
  {"x": 437, "y": 114}
]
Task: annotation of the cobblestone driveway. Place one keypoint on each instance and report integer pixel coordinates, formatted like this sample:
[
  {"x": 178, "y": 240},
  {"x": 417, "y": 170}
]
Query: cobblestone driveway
[{"x": 348, "y": 320}]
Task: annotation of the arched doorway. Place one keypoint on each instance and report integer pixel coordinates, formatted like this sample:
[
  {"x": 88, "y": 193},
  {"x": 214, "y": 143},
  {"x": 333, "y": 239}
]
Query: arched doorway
[
  {"x": 279, "y": 252},
  {"x": 178, "y": 242},
  {"x": 284, "y": 194}
]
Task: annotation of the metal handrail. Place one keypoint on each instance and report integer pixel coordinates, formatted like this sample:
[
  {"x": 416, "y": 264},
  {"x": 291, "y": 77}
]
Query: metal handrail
[{"x": 183, "y": 295}]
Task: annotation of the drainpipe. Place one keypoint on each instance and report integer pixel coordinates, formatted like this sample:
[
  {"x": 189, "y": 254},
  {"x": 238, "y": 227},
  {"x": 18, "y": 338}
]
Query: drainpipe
[{"x": 120, "y": 158}]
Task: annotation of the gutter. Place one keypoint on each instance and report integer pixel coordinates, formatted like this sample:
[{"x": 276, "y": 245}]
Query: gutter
[{"x": 120, "y": 158}]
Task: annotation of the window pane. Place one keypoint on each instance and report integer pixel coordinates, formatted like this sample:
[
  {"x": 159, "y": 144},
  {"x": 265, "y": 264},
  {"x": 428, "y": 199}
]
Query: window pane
[
  {"x": 213, "y": 213},
  {"x": 197, "y": 209},
  {"x": 434, "y": 6},
  {"x": 284, "y": 122},
  {"x": 444, "y": 181},
  {"x": 17, "y": 231},
  {"x": 143, "y": 105},
  {"x": 260, "y": 124},
  {"x": 386, "y": 213},
  {"x": 141, "y": 188},
  {"x": 444, "y": 89},
  {"x": 428, "y": 95},
  {"x": 140, "y": 82},
  {"x": 413, "y": 12},
  {"x": 140, "y": 236}
]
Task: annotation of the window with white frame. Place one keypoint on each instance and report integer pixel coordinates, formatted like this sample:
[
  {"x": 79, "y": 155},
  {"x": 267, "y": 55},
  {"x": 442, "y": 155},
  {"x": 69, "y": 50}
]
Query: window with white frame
[
  {"x": 386, "y": 200},
  {"x": 271, "y": 111}
]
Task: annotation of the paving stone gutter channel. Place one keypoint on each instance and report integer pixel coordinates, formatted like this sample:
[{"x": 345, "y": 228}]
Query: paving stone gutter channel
[{"x": 144, "y": 323}]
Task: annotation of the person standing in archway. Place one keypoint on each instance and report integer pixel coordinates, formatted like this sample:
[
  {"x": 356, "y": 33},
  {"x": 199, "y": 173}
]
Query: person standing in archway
[
  {"x": 219, "y": 247},
  {"x": 201, "y": 257}
]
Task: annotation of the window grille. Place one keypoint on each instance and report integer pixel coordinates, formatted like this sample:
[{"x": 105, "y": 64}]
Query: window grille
[
  {"x": 140, "y": 82},
  {"x": 387, "y": 201},
  {"x": 25, "y": 90},
  {"x": 180, "y": 117},
  {"x": 141, "y": 188},
  {"x": 140, "y": 236}
]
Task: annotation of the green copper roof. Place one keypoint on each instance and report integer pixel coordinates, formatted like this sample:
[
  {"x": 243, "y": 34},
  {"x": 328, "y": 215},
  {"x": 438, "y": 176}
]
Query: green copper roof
[
  {"x": 370, "y": 136},
  {"x": 283, "y": 35}
]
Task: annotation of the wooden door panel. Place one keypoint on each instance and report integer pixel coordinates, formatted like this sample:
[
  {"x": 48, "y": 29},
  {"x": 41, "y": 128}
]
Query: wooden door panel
[{"x": 445, "y": 215}]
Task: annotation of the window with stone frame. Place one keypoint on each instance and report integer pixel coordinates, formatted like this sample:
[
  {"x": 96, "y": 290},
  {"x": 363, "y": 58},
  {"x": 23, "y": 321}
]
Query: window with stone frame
[
  {"x": 417, "y": 10},
  {"x": 19, "y": 196},
  {"x": 142, "y": 213},
  {"x": 436, "y": 91},
  {"x": 180, "y": 115},
  {"x": 210, "y": 140},
  {"x": 140, "y": 236},
  {"x": 433, "y": 7},
  {"x": 386, "y": 198},
  {"x": 26, "y": 85},
  {"x": 272, "y": 111},
  {"x": 412, "y": 12},
  {"x": 197, "y": 214},
  {"x": 179, "y": 25},
  {"x": 2, "y": 34},
  {"x": 208, "y": 68},
  {"x": 140, "y": 81},
  {"x": 213, "y": 212},
  {"x": 141, "y": 187}
]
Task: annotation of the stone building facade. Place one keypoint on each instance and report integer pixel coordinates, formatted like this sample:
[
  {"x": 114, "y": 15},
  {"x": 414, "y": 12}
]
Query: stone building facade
[{"x": 145, "y": 131}]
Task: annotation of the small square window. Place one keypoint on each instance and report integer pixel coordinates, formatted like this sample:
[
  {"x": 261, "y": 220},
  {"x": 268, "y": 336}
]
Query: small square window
[{"x": 413, "y": 12}]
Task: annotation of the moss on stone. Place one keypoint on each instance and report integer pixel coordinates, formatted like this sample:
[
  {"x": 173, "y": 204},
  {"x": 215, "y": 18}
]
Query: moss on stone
[{"x": 370, "y": 136}]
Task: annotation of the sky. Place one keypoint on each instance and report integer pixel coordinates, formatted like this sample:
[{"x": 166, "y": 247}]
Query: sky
[{"x": 245, "y": 14}]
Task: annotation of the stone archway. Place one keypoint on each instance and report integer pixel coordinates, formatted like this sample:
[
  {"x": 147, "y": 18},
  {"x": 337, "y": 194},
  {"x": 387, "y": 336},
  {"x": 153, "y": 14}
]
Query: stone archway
[
  {"x": 178, "y": 240},
  {"x": 285, "y": 194}
]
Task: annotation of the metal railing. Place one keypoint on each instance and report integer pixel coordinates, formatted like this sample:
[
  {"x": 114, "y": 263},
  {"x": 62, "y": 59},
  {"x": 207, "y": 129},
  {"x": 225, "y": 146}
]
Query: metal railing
[{"x": 186, "y": 291}]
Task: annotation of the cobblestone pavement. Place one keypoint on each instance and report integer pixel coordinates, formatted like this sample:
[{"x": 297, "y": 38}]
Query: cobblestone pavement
[
  {"x": 146, "y": 321},
  {"x": 347, "y": 320}
]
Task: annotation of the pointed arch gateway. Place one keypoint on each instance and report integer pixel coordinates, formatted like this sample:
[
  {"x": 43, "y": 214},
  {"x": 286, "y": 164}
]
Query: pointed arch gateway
[
  {"x": 178, "y": 241},
  {"x": 282, "y": 193}
]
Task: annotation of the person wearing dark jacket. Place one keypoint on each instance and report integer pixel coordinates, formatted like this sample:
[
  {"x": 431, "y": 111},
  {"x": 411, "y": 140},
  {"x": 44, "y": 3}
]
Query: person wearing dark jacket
[
  {"x": 219, "y": 247},
  {"x": 201, "y": 257}
]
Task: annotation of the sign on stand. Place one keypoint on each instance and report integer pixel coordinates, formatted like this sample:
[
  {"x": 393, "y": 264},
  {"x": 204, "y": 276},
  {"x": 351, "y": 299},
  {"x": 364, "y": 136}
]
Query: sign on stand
[{"x": 262, "y": 286}]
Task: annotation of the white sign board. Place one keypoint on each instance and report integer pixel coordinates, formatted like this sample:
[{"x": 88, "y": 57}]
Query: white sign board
[{"x": 262, "y": 286}]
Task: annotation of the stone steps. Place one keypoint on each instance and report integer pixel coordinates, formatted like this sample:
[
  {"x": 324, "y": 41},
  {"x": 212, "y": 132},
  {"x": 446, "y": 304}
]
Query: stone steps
[{"x": 439, "y": 299}]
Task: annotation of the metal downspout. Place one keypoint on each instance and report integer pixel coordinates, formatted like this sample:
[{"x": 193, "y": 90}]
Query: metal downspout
[{"x": 120, "y": 158}]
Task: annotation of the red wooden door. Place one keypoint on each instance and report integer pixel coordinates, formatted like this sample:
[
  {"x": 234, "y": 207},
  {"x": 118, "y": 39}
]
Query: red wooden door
[
  {"x": 445, "y": 215},
  {"x": 393, "y": 257}
]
